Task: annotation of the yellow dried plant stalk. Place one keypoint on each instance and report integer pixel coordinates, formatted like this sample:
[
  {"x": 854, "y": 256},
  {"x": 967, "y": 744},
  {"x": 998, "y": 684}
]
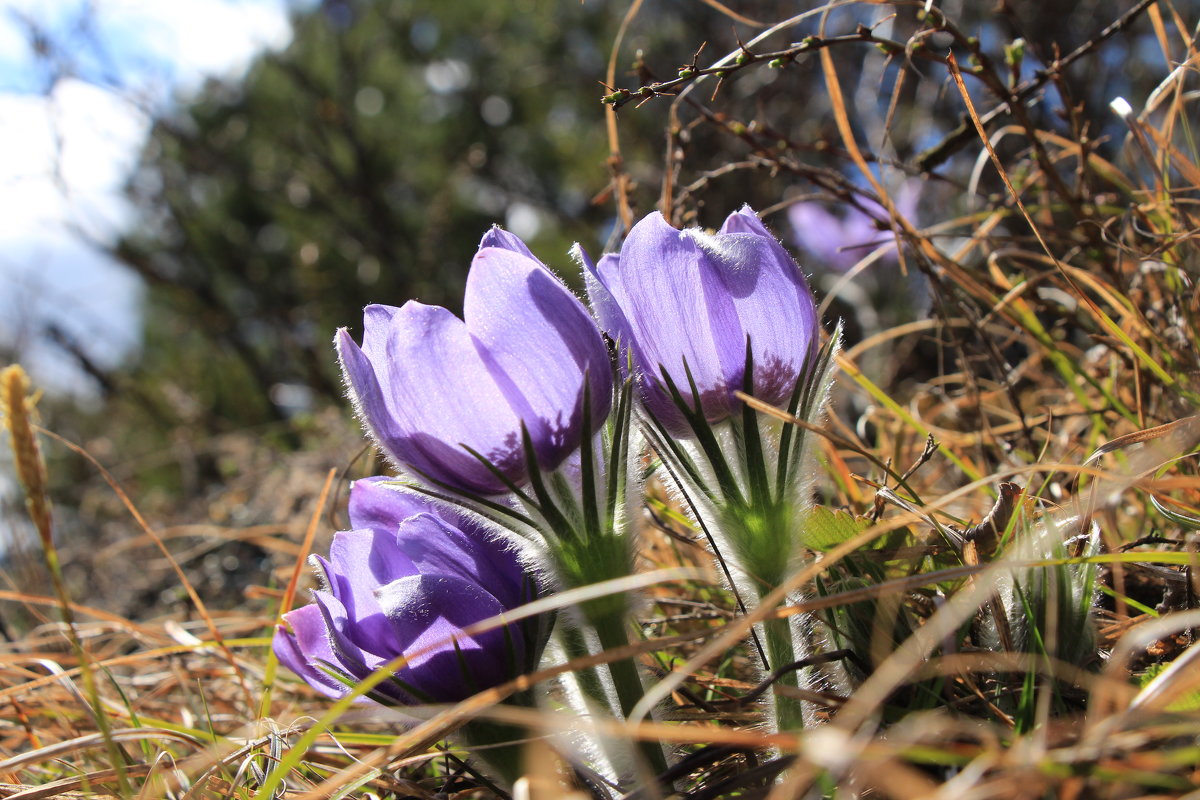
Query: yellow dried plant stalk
[{"x": 17, "y": 406}]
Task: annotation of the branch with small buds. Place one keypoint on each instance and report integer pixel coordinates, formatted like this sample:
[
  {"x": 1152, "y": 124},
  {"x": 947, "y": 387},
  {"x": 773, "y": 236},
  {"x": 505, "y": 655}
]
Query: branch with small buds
[{"x": 776, "y": 59}]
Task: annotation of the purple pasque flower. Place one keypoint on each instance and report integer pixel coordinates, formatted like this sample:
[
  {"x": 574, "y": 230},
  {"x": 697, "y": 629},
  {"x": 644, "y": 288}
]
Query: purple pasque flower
[
  {"x": 433, "y": 389},
  {"x": 685, "y": 303},
  {"x": 406, "y": 581},
  {"x": 839, "y": 243}
]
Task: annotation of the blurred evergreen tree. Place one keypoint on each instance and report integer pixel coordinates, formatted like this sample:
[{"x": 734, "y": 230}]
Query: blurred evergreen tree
[{"x": 361, "y": 164}]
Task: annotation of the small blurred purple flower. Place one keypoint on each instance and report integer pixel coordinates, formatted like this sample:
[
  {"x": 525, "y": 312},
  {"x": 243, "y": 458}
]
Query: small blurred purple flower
[
  {"x": 677, "y": 298},
  {"x": 429, "y": 386},
  {"x": 407, "y": 580},
  {"x": 838, "y": 243}
]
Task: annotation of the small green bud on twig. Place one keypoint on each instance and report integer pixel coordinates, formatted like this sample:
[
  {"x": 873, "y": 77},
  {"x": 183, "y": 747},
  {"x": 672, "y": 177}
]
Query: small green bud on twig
[{"x": 1014, "y": 53}]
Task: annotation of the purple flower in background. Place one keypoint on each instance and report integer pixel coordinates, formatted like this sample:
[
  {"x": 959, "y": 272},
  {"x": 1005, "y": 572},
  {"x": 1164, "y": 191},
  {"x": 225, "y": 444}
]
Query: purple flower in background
[
  {"x": 838, "y": 243},
  {"x": 677, "y": 298},
  {"x": 406, "y": 581},
  {"x": 428, "y": 385}
]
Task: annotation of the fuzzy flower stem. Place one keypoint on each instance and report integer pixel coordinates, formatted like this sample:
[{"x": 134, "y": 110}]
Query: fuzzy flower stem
[
  {"x": 788, "y": 710},
  {"x": 625, "y": 680},
  {"x": 499, "y": 746},
  {"x": 613, "y": 633},
  {"x": 583, "y": 562}
]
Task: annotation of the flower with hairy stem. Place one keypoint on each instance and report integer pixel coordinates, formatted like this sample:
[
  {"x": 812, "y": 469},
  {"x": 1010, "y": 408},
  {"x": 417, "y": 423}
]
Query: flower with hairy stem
[
  {"x": 409, "y": 584},
  {"x": 699, "y": 317},
  {"x": 509, "y": 412}
]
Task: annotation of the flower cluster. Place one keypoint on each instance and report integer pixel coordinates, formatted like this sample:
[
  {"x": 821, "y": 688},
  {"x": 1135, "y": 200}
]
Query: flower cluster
[{"x": 512, "y": 428}]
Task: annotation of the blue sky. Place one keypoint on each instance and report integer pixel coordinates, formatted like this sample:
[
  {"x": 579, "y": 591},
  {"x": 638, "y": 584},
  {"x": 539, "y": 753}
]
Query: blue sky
[{"x": 74, "y": 114}]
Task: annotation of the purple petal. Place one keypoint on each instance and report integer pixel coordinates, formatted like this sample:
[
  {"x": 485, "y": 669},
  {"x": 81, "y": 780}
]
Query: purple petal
[
  {"x": 539, "y": 343},
  {"x": 605, "y": 308},
  {"x": 443, "y": 397},
  {"x": 377, "y": 321},
  {"x": 360, "y": 562},
  {"x": 773, "y": 304},
  {"x": 678, "y": 312},
  {"x": 307, "y": 645},
  {"x": 863, "y": 235},
  {"x": 347, "y": 654},
  {"x": 470, "y": 555},
  {"x": 380, "y": 506},
  {"x": 498, "y": 237},
  {"x": 360, "y": 662},
  {"x": 613, "y": 321},
  {"x": 437, "y": 539},
  {"x": 822, "y": 235},
  {"x": 745, "y": 220},
  {"x": 371, "y": 404},
  {"x": 428, "y": 614},
  {"x": 872, "y": 210}
]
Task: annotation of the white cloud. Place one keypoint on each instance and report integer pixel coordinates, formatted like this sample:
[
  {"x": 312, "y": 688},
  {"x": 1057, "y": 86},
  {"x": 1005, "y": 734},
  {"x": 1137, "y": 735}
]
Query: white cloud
[
  {"x": 197, "y": 38},
  {"x": 65, "y": 158},
  {"x": 60, "y": 281},
  {"x": 67, "y": 153},
  {"x": 102, "y": 136}
]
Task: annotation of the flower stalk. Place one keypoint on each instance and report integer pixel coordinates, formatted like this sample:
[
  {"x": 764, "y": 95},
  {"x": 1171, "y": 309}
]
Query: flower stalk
[{"x": 588, "y": 526}]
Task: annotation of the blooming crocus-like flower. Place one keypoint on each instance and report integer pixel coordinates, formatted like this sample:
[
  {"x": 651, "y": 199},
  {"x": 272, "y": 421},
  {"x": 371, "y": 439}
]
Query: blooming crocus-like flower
[
  {"x": 702, "y": 316},
  {"x": 685, "y": 303},
  {"x": 839, "y": 243},
  {"x": 407, "y": 581},
  {"x": 442, "y": 395}
]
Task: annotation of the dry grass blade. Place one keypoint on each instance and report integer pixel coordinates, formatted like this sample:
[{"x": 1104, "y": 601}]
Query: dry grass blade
[
  {"x": 201, "y": 608},
  {"x": 1172, "y": 439},
  {"x": 619, "y": 182},
  {"x": 289, "y": 593},
  {"x": 69, "y": 788},
  {"x": 1096, "y": 311}
]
